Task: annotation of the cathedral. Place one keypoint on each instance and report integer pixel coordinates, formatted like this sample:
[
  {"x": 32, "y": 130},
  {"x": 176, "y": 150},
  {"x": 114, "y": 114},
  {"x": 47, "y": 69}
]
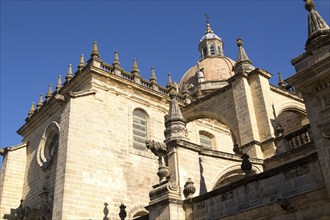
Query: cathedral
[{"x": 223, "y": 143}]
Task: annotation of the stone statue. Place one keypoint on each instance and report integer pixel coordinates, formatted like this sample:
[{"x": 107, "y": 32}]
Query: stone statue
[{"x": 159, "y": 149}]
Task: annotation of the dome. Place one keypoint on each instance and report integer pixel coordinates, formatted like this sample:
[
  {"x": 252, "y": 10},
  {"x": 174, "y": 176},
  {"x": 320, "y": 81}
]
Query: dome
[
  {"x": 216, "y": 68},
  {"x": 209, "y": 36}
]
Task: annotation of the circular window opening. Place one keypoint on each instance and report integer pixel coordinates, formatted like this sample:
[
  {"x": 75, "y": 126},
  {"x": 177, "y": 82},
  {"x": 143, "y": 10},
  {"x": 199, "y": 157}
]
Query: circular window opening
[
  {"x": 51, "y": 145},
  {"x": 48, "y": 146}
]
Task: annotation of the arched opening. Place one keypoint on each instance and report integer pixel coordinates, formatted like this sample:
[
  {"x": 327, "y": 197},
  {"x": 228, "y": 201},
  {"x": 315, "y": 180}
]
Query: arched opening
[
  {"x": 205, "y": 52},
  {"x": 292, "y": 120},
  {"x": 229, "y": 177},
  {"x": 141, "y": 215},
  {"x": 206, "y": 139},
  {"x": 211, "y": 134},
  {"x": 232, "y": 174},
  {"x": 212, "y": 49},
  {"x": 140, "y": 129}
]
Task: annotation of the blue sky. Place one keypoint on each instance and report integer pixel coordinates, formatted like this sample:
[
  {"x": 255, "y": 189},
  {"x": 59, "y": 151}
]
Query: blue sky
[{"x": 40, "y": 38}]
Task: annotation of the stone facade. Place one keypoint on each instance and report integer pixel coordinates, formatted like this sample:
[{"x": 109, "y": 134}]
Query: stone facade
[{"x": 224, "y": 146}]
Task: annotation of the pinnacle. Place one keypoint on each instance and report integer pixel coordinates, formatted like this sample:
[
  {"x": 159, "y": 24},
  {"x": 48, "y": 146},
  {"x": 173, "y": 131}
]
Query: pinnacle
[{"x": 95, "y": 52}]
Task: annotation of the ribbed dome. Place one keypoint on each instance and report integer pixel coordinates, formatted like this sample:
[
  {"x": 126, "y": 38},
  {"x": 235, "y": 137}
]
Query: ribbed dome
[
  {"x": 216, "y": 68},
  {"x": 209, "y": 36}
]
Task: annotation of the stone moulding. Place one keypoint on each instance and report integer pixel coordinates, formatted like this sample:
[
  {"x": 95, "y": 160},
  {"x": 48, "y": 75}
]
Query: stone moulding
[{"x": 162, "y": 190}]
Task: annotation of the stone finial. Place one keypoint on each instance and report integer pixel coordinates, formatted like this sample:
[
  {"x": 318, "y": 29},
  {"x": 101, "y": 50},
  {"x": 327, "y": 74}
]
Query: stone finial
[
  {"x": 317, "y": 27},
  {"x": 243, "y": 63},
  {"x": 122, "y": 212},
  {"x": 242, "y": 56},
  {"x": 81, "y": 63},
  {"x": 174, "y": 123},
  {"x": 116, "y": 62},
  {"x": 208, "y": 26},
  {"x": 184, "y": 89},
  {"x": 69, "y": 74},
  {"x": 95, "y": 52},
  {"x": 239, "y": 42},
  {"x": 31, "y": 112},
  {"x": 279, "y": 130},
  {"x": 281, "y": 82},
  {"x": 49, "y": 93},
  {"x": 59, "y": 83},
  {"x": 246, "y": 165},
  {"x": 236, "y": 149},
  {"x": 189, "y": 189},
  {"x": 169, "y": 81},
  {"x": 153, "y": 78},
  {"x": 199, "y": 93},
  {"x": 309, "y": 5},
  {"x": 40, "y": 103},
  {"x": 200, "y": 73},
  {"x": 135, "y": 70}
]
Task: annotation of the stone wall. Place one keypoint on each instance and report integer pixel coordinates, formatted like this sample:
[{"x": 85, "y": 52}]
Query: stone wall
[
  {"x": 12, "y": 178},
  {"x": 279, "y": 187}
]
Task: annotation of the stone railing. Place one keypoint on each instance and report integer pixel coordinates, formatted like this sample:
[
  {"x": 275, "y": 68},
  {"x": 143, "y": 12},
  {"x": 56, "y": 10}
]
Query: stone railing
[
  {"x": 126, "y": 75},
  {"x": 298, "y": 138}
]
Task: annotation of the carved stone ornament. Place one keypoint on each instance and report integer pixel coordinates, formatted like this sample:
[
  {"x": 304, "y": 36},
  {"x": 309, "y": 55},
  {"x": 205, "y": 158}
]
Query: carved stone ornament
[
  {"x": 163, "y": 173},
  {"x": 163, "y": 189},
  {"x": 48, "y": 146},
  {"x": 325, "y": 132},
  {"x": 189, "y": 189}
]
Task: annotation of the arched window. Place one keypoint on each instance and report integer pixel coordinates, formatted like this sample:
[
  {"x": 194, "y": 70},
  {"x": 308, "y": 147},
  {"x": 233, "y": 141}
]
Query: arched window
[
  {"x": 219, "y": 50},
  {"x": 212, "y": 49},
  {"x": 140, "y": 129},
  {"x": 204, "y": 52},
  {"x": 206, "y": 139}
]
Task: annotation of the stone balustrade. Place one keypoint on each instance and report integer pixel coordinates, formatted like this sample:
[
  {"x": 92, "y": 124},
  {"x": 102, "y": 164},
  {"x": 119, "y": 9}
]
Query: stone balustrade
[{"x": 298, "y": 138}]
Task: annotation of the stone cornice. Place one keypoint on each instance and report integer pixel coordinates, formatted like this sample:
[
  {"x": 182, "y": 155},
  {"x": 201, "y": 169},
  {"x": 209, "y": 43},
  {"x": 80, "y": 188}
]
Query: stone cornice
[
  {"x": 4, "y": 151},
  {"x": 309, "y": 79},
  {"x": 285, "y": 93},
  {"x": 260, "y": 71},
  {"x": 179, "y": 143}
]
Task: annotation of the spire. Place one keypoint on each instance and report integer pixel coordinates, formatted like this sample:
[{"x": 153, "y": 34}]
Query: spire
[
  {"x": 81, "y": 63},
  {"x": 116, "y": 62},
  {"x": 174, "y": 123},
  {"x": 40, "y": 103},
  {"x": 135, "y": 70},
  {"x": 153, "y": 78},
  {"x": 208, "y": 26},
  {"x": 69, "y": 75},
  {"x": 316, "y": 24},
  {"x": 210, "y": 44},
  {"x": 169, "y": 81},
  {"x": 59, "y": 83},
  {"x": 243, "y": 63},
  {"x": 31, "y": 112},
  {"x": 281, "y": 82},
  {"x": 95, "y": 52},
  {"x": 49, "y": 93}
]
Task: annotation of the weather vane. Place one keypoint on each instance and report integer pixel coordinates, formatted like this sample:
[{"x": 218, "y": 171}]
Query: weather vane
[{"x": 207, "y": 17}]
